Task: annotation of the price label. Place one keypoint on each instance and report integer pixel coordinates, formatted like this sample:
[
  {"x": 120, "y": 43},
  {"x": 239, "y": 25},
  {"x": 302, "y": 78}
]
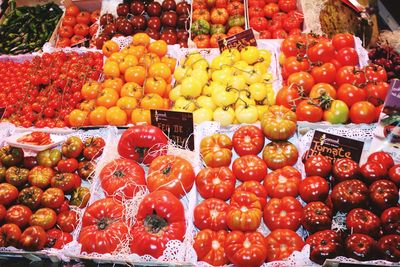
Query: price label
[
  {"x": 178, "y": 126},
  {"x": 334, "y": 147},
  {"x": 239, "y": 41}
]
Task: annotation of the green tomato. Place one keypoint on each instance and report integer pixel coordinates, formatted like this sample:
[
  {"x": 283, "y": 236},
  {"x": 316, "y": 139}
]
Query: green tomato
[
  {"x": 11, "y": 156},
  {"x": 217, "y": 28},
  {"x": 48, "y": 157},
  {"x": 337, "y": 113},
  {"x": 200, "y": 26},
  {"x": 236, "y": 20}
]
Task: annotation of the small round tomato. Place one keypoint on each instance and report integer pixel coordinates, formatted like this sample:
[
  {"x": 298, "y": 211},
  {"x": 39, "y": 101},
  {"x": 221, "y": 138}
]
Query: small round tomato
[
  {"x": 282, "y": 243},
  {"x": 10, "y": 234},
  {"x": 210, "y": 247},
  {"x": 362, "y": 221},
  {"x": 57, "y": 239},
  {"x": 44, "y": 217},
  {"x": 211, "y": 214},
  {"x": 303, "y": 80},
  {"x": 348, "y": 56},
  {"x": 8, "y": 194},
  {"x": 283, "y": 182},
  {"x": 362, "y": 112},
  {"x": 33, "y": 238},
  {"x": 19, "y": 215},
  {"x": 280, "y": 154},
  {"x": 317, "y": 217},
  {"x": 309, "y": 111},
  {"x": 248, "y": 140},
  {"x": 326, "y": 244},
  {"x": 52, "y": 198},
  {"x": 215, "y": 183},
  {"x": 318, "y": 165},
  {"x": 284, "y": 213},
  {"x": 255, "y": 188},
  {"x": 249, "y": 167},
  {"x": 67, "y": 221},
  {"x": 383, "y": 158},
  {"x": 344, "y": 169}
]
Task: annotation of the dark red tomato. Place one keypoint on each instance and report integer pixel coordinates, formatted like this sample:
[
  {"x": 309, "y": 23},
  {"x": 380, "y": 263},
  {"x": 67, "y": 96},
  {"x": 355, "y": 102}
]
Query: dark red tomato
[
  {"x": 345, "y": 169},
  {"x": 326, "y": 244},
  {"x": 313, "y": 188},
  {"x": 19, "y": 215},
  {"x": 215, "y": 183},
  {"x": 289, "y": 96},
  {"x": 323, "y": 51},
  {"x": 351, "y": 94},
  {"x": 383, "y": 194},
  {"x": 255, "y": 188},
  {"x": 372, "y": 171},
  {"x": 389, "y": 247},
  {"x": 390, "y": 220},
  {"x": 362, "y": 112},
  {"x": 347, "y": 56},
  {"x": 307, "y": 110},
  {"x": 8, "y": 194},
  {"x": 57, "y": 238},
  {"x": 341, "y": 40},
  {"x": 349, "y": 194},
  {"x": 394, "y": 174},
  {"x": 284, "y": 213},
  {"x": 303, "y": 80},
  {"x": 361, "y": 247},
  {"x": 362, "y": 221},
  {"x": 33, "y": 238},
  {"x": 210, "y": 214},
  {"x": 317, "y": 216},
  {"x": 350, "y": 74},
  {"x": 3, "y": 211},
  {"x": 52, "y": 198},
  {"x": 376, "y": 92},
  {"x": 383, "y": 158},
  {"x": 67, "y": 221},
  {"x": 30, "y": 197},
  {"x": 326, "y": 73},
  {"x": 249, "y": 168},
  {"x": 248, "y": 140},
  {"x": 10, "y": 234},
  {"x": 375, "y": 73},
  {"x": 318, "y": 165}
]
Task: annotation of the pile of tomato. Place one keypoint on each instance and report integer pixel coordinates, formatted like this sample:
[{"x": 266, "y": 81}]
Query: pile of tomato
[
  {"x": 323, "y": 80},
  {"x": 40, "y": 195},
  {"x": 42, "y": 92}
]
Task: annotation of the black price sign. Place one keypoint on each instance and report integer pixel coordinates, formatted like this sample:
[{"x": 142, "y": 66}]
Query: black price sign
[
  {"x": 178, "y": 126},
  {"x": 334, "y": 147},
  {"x": 238, "y": 41}
]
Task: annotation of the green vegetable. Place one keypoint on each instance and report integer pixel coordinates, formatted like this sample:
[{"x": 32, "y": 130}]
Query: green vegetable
[
  {"x": 236, "y": 20},
  {"x": 217, "y": 28},
  {"x": 200, "y": 26}
]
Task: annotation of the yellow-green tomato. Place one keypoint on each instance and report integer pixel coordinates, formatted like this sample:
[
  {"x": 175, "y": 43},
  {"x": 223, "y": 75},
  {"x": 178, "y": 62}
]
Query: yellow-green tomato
[
  {"x": 246, "y": 114},
  {"x": 225, "y": 116},
  {"x": 338, "y": 112},
  {"x": 202, "y": 114}
]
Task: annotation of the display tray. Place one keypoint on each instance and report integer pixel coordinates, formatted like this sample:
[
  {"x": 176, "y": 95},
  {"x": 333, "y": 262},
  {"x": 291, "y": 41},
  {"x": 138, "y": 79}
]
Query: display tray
[{"x": 13, "y": 141}]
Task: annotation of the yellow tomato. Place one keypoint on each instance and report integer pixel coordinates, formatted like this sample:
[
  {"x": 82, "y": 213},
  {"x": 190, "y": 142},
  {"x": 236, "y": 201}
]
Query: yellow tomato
[
  {"x": 140, "y": 39},
  {"x": 250, "y": 54},
  {"x": 132, "y": 89},
  {"x": 265, "y": 57},
  {"x": 202, "y": 114},
  {"x": 88, "y": 105},
  {"x": 160, "y": 69},
  {"x": 183, "y": 104},
  {"x": 175, "y": 93},
  {"x": 98, "y": 116},
  {"x": 160, "y": 47},
  {"x": 114, "y": 83},
  {"x": 111, "y": 69},
  {"x": 78, "y": 118},
  {"x": 232, "y": 53},
  {"x": 140, "y": 115},
  {"x": 206, "y": 102},
  {"x": 110, "y": 47},
  {"x": 108, "y": 98},
  {"x": 181, "y": 72},
  {"x": 127, "y": 61},
  {"x": 148, "y": 59},
  {"x": 246, "y": 114},
  {"x": 170, "y": 61},
  {"x": 224, "y": 115},
  {"x": 127, "y": 104},
  {"x": 191, "y": 87},
  {"x": 116, "y": 116},
  {"x": 152, "y": 101},
  {"x": 137, "y": 50},
  {"x": 117, "y": 57}
]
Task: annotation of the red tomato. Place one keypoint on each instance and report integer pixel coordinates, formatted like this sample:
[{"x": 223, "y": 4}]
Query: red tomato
[
  {"x": 67, "y": 221},
  {"x": 372, "y": 171},
  {"x": 349, "y": 194},
  {"x": 280, "y": 154},
  {"x": 318, "y": 165},
  {"x": 295, "y": 64},
  {"x": 282, "y": 243},
  {"x": 44, "y": 217},
  {"x": 57, "y": 239},
  {"x": 289, "y": 96},
  {"x": 72, "y": 10},
  {"x": 67, "y": 182},
  {"x": 210, "y": 247},
  {"x": 313, "y": 188},
  {"x": 160, "y": 218},
  {"x": 215, "y": 183},
  {"x": 256, "y": 3},
  {"x": 248, "y": 168},
  {"x": 245, "y": 249},
  {"x": 322, "y": 89},
  {"x": 323, "y": 51},
  {"x": 211, "y": 214},
  {"x": 284, "y": 213},
  {"x": 345, "y": 169},
  {"x": 244, "y": 212},
  {"x": 351, "y": 94},
  {"x": 375, "y": 73},
  {"x": 390, "y": 220},
  {"x": 362, "y": 221},
  {"x": 326, "y": 73},
  {"x": 248, "y": 140},
  {"x": 83, "y": 17},
  {"x": 103, "y": 227},
  {"x": 283, "y": 182},
  {"x": 33, "y": 238},
  {"x": 324, "y": 245},
  {"x": 122, "y": 178},
  {"x": 52, "y": 198},
  {"x": 388, "y": 247},
  {"x": 317, "y": 217},
  {"x": 3, "y": 211},
  {"x": 19, "y": 215},
  {"x": 256, "y": 12},
  {"x": 376, "y": 92},
  {"x": 8, "y": 194},
  {"x": 235, "y": 8},
  {"x": 171, "y": 173},
  {"x": 342, "y": 40},
  {"x": 350, "y": 74},
  {"x": 67, "y": 165},
  {"x": 347, "y": 56},
  {"x": 308, "y": 110},
  {"x": 259, "y": 23},
  {"x": 383, "y": 158},
  {"x": 303, "y": 80},
  {"x": 10, "y": 234},
  {"x": 255, "y": 188},
  {"x": 362, "y": 112},
  {"x": 394, "y": 174},
  {"x": 287, "y": 5}
]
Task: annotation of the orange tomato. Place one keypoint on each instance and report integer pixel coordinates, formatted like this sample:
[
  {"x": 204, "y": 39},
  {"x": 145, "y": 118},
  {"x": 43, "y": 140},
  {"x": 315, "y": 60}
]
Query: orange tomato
[
  {"x": 155, "y": 85},
  {"x": 110, "y": 47},
  {"x": 113, "y": 83},
  {"x": 170, "y": 61},
  {"x": 111, "y": 69},
  {"x": 127, "y": 61},
  {"x": 214, "y": 39},
  {"x": 141, "y": 39},
  {"x": 202, "y": 41},
  {"x": 87, "y": 105},
  {"x": 167, "y": 103},
  {"x": 107, "y": 98},
  {"x": 135, "y": 74},
  {"x": 152, "y": 101},
  {"x": 322, "y": 89},
  {"x": 234, "y": 30},
  {"x": 160, "y": 70},
  {"x": 168, "y": 89},
  {"x": 78, "y": 118},
  {"x": 132, "y": 89},
  {"x": 159, "y": 47},
  {"x": 137, "y": 50},
  {"x": 117, "y": 57},
  {"x": 140, "y": 116},
  {"x": 148, "y": 59},
  {"x": 98, "y": 116},
  {"x": 127, "y": 104},
  {"x": 91, "y": 90},
  {"x": 116, "y": 116}
]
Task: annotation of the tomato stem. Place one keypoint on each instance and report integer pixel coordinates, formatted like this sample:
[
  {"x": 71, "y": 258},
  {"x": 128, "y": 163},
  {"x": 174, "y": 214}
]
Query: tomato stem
[{"x": 154, "y": 223}]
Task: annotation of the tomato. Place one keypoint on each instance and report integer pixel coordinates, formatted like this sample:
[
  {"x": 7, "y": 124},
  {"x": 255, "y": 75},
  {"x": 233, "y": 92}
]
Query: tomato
[
  {"x": 2, "y": 212},
  {"x": 66, "y": 181},
  {"x": 345, "y": 169},
  {"x": 326, "y": 73},
  {"x": 321, "y": 90},
  {"x": 103, "y": 227},
  {"x": 259, "y": 23},
  {"x": 67, "y": 165},
  {"x": 284, "y": 213},
  {"x": 376, "y": 92},
  {"x": 245, "y": 249},
  {"x": 255, "y": 188},
  {"x": 317, "y": 216},
  {"x": 372, "y": 171},
  {"x": 122, "y": 178},
  {"x": 350, "y": 74},
  {"x": 318, "y": 165},
  {"x": 72, "y": 10},
  {"x": 48, "y": 157},
  {"x": 72, "y": 148},
  {"x": 215, "y": 183},
  {"x": 278, "y": 123},
  {"x": 308, "y": 110},
  {"x": 283, "y": 182},
  {"x": 295, "y": 64},
  {"x": 248, "y": 140},
  {"x": 303, "y": 80},
  {"x": 348, "y": 56},
  {"x": 361, "y": 221},
  {"x": 390, "y": 220},
  {"x": 203, "y": 14},
  {"x": 338, "y": 112},
  {"x": 394, "y": 174},
  {"x": 383, "y": 158},
  {"x": 67, "y": 221},
  {"x": 361, "y": 247},
  {"x": 375, "y": 73},
  {"x": 341, "y": 40},
  {"x": 289, "y": 96},
  {"x": 351, "y": 94},
  {"x": 17, "y": 176},
  {"x": 30, "y": 197},
  {"x": 216, "y": 150},
  {"x": 8, "y": 194},
  {"x": 80, "y": 197},
  {"x": 349, "y": 194},
  {"x": 313, "y": 188},
  {"x": 52, "y": 198},
  {"x": 160, "y": 218},
  {"x": 244, "y": 212},
  {"x": 256, "y": 12},
  {"x": 93, "y": 147},
  {"x": 280, "y": 154},
  {"x": 202, "y": 41},
  {"x": 249, "y": 167},
  {"x": 211, "y": 214},
  {"x": 287, "y": 5},
  {"x": 66, "y": 31},
  {"x": 57, "y": 239},
  {"x": 86, "y": 169},
  {"x": 362, "y": 112},
  {"x": 210, "y": 247},
  {"x": 19, "y": 215},
  {"x": 324, "y": 245},
  {"x": 219, "y": 16},
  {"x": 10, "y": 234},
  {"x": 389, "y": 247},
  {"x": 44, "y": 217},
  {"x": 235, "y": 8},
  {"x": 282, "y": 243},
  {"x": 33, "y": 238}
]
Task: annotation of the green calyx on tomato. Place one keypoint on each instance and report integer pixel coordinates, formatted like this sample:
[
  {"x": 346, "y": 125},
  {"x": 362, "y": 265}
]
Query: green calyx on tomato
[
  {"x": 154, "y": 223},
  {"x": 338, "y": 112},
  {"x": 200, "y": 26},
  {"x": 236, "y": 20},
  {"x": 11, "y": 156},
  {"x": 49, "y": 157}
]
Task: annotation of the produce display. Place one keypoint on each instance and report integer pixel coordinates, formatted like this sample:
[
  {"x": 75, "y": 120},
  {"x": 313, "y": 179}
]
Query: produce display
[{"x": 386, "y": 56}]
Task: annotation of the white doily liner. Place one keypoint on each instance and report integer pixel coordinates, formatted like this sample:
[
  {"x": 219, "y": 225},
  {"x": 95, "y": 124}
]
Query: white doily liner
[
  {"x": 6, "y": 129},
  {"x": 311, "y": 10}
]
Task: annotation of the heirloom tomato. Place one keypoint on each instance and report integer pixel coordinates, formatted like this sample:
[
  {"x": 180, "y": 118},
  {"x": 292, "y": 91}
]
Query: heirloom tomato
[
  {"x": 72, "y": 148},
  {"x": 361, "y": 247},
  {"x": 326, "y": 244},
  {"x": 67, "y": 220},
  {"x": 278, "y": 123},
  {"x": 210, "y": 247},
  {"x": 248, "y": 140},
  {"x": 86, "y": 169},
  {"x": 80, "y": 197},
  {"x": 216, "y": 150},
  {"x": 284, "y": 213},
  {"x": 308, "y": 110},
  {"x": 17, "y": 176},
  {"x": 103, "y": 227},
  {"x": 3, "y": 211},
  {"x": 249, "y": 168},
  {"x": 67, "y": 165},
  {"x": 93, "y": 147},
  {"x": 171, "y": 173},
  {"x": 33, "y": 238},
  {"x": 52, "y": 198},
  {"x": 48, "y": 157},
  {"x": 30, "y": 197},
  {"x": 219, "y": 16},
  {"x": 283, "y": 182},
  {"x": 313, "y": 188},
  {"x": 122, "y": 178},
  {"x": 255, "y": 188},
  {"x": 211, "y": 214},
  {"x": 388, "y": 246},
  {"x": 19, "y": 215},
  {"x": 317, "y": 216},
  {"x": 8, "y": 194},
  {"x": 362, "y": 221},
  {"x": 235, "y": 8},
  {"x": 44, "y": 217},
  {"x": 338, "y": 112},
  {"x": 67, "y": 182},
  {"x": 390, "y": 220},
  {"x": 280, "y": 154},
  {"x": 40, "y": 176},
  {"x": 11, "y": 156},
  {"x": 349, "y": 194},
  {"x": 318, "y": 165},
  {"x": 57, "y": 239},
  {"x": 344, "y": 169},
  {"x": 10, "y": 234},
  {"x": 245, "y": 249},
  {"x": 215, "y": 183},
  {"x": 372, "y": 171},
  {"x": 160, "y": 218},
  {"x": 282, "y": 243}
]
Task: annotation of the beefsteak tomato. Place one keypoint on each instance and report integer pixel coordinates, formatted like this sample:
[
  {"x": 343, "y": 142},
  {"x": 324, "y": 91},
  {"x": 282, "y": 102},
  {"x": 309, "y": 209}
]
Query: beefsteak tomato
[
  {"x": 210, "y": 247},
  {"x": 280, "y": 154},
  {"x": 248, "y": 140},
  {"x": 249, "y": 168},
  {"x": 283, "y": 182},
  {"x": 216, "y": 150},
  {"x": 211, "y": 214},
  {"x": 284, "y": 213},
  {"x": 278, "y": 123},
  {"x": 215, "y": 183},
  {"x": 282, "y": 243}
]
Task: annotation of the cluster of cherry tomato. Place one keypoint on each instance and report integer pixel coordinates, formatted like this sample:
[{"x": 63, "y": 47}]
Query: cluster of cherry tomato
[
  {"x": 43, "y": 91},
  {"x": 275, "y": 19},
  {"x": 34, "y": 211},
  {"x": 323, "y": 80}
]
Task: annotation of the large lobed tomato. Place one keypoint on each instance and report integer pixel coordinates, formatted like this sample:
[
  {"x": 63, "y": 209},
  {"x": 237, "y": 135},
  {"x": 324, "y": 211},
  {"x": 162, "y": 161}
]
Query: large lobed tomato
[
  {"x": 142, "y": 143},
  {"x": 394, "y": 174},
  {"x": 283, "y": 182},
  {"x": 216, "y": 150},
  {"x": 282, "y": 243},
  {"x": 49, "y": 157},
  {"x": 278, "y": 123},
  {"x": 372, "y": 171},
  {"x": 383, "y": 194},
  {"x": 52, "y": 198},
  {"x": 280, "y": 154},
  {"x": 215, "y": 183},
  {"x": 317, "y": 216},
  {"x": 122, "y": 178},
  {"x": 248, "y": 140},
  {"x": 171, "y": 173},
  {"x": 3, "y": 211},
  {"x": 284, "y": 213},
  {"x": 313, "y": 188},
  {"x": 326, "y": 244},
  {"x": 389, "y": 247},
  {"x": 318, "y": 165},
  {"x": 245, "y": 249},
  {"x": 103, "y": 227},
  {"x": 160, "y": 218},
  {"x": 211, "y": 214},
  {"x": 383, "y": 158},
  {"x": 44, "y": 217},
  {"x": 80, "y": 197},
  {"x": 255, "y": 188},
  {"x": 210, "y": 247},
  {"x": 17, "y": 176},
  {"x": 249, "y": 168},
  {"x": 67, "y": 182},
  {"x": 19, "y": 215},
  {"x": 11, "y": 156},
  {"x": 41, "y": 176},
  {"x": 244, "y": 212}
]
